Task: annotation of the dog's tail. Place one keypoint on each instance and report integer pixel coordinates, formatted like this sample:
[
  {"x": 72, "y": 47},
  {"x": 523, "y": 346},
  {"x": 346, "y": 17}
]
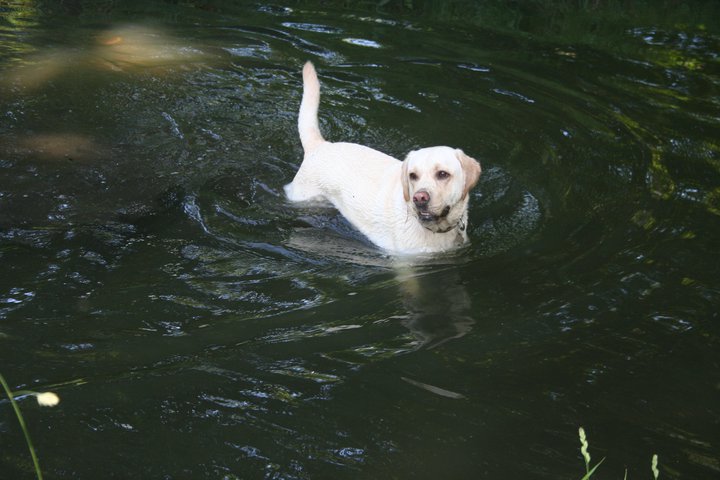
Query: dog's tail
[{"x": 308, "y": 126}]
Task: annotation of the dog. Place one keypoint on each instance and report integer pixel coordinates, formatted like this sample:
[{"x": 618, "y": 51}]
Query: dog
[{"x": 408, "y": 207}]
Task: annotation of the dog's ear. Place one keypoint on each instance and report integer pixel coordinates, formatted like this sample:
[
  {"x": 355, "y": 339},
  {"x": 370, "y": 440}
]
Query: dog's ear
[
  {"x": 471, "y": 168},
  {"x": 404, "y": 181}
]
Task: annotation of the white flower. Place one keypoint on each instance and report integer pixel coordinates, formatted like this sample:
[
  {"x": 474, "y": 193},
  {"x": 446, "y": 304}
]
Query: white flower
[{"x": 47, "y": 399}]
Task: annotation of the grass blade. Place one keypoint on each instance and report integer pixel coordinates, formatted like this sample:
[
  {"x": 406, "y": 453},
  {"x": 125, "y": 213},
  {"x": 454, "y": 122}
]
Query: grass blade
[{"x": 21, "y": 420}]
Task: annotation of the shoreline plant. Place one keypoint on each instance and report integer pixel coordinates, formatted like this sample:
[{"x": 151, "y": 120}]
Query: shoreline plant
[
  {"x": 44, "y": 399},
  {"x": 590, "y": 471}
]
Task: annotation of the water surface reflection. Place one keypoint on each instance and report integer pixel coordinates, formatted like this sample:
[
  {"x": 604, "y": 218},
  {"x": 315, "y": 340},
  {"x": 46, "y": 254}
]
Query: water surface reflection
[
  {"x": 198, "y": 326},
  {"x": 124, "y": 49}
]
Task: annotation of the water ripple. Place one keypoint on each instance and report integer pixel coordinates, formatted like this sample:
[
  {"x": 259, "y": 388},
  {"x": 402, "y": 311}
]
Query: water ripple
[
  {"x": 362, "y": 42},
  {"x": 312, "y": 27},
  {"x": 150, "y": 250}
]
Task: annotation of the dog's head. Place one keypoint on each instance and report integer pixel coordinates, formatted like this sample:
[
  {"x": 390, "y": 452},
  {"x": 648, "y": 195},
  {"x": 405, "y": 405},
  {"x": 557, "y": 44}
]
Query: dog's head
[{"x": 436, "y": 182}]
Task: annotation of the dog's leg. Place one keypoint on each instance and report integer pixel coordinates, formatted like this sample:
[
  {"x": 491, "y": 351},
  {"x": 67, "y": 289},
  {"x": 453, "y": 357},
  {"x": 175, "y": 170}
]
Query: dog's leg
[{"x": 300, "y": 191}]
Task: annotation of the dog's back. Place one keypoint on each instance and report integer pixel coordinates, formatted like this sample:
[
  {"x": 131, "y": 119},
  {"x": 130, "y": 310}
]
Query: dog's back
[{"x": 331, "y": 170}]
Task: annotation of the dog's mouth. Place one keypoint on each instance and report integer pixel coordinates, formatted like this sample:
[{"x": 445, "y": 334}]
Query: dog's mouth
[{"x": 426, "y": 216}]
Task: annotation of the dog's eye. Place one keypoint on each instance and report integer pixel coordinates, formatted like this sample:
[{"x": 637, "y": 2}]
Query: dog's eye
[
  {"x": 413, "y": 176},
  {"x": 442, "y": 175}
]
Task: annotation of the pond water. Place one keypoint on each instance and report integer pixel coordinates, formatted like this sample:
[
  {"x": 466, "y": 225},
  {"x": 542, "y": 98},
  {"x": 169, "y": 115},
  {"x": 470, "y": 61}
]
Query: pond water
[{"x": 196, "y": 325}]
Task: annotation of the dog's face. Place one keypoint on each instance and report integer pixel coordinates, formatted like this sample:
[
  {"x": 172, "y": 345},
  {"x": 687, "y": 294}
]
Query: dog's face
[{"x": 436, "y": 182}]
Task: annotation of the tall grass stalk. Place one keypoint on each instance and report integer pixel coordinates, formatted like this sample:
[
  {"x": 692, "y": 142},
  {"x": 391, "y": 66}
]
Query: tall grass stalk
[
  {"x": 21, "y": 420},
  {"x": 586, "y": 455},
  {"x": 654, "y": 467}
]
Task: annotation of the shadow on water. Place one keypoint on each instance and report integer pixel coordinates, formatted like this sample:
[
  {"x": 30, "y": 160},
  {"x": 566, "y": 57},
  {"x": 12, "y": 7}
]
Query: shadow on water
[{"x": 196, "y": 325}]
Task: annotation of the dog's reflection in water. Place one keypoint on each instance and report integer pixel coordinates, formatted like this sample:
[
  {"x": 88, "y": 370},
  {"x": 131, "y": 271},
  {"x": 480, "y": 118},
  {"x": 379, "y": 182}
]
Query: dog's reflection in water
[{"x": 438, "y": 306}]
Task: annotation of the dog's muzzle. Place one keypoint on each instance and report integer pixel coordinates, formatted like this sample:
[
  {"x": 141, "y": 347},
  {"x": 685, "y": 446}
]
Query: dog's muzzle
[{"x": 421, "y": 200}]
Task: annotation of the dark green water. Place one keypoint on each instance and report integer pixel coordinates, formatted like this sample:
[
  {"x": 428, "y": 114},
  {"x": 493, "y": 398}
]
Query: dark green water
[{"x": 195, "y": 325}]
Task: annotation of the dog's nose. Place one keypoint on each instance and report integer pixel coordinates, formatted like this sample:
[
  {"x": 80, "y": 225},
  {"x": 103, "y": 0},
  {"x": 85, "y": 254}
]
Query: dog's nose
[{"x": 421, "y": 198}]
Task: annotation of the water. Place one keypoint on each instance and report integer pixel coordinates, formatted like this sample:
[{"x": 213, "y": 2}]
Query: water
[{"x": 196, "y": 325}]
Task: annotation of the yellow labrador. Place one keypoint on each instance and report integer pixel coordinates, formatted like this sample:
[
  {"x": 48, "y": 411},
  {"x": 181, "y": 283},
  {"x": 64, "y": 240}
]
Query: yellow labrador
[{"x": 415, "y": 206}]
